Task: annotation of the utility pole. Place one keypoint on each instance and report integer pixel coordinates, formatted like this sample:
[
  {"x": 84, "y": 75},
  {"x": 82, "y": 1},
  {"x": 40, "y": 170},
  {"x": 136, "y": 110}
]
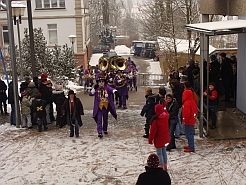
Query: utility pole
[
  {"x": 13, "y": 62},
  {"x": 30, "y": 26}
]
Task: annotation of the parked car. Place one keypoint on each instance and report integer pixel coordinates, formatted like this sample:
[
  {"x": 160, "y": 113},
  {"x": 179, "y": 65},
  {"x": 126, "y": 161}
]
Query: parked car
[{"x": 100, "y": 49}]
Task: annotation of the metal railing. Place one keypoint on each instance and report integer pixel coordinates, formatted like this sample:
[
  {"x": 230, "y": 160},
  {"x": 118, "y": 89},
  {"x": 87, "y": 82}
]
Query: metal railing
[{"x": 146, "y": 79}]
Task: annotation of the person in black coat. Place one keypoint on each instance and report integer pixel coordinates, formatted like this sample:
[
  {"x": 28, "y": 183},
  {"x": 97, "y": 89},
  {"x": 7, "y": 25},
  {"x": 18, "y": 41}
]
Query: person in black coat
[
  {"x": 153, "y": 174},
  {"x": 59, "y": 98},
  {"x": 214, "y": 71},
  {"x": 12, "y": 103},
  {"x": 225, "y": 74},
  {"x": 173, "y": 110},
  {"x": 3, "y": 97}
]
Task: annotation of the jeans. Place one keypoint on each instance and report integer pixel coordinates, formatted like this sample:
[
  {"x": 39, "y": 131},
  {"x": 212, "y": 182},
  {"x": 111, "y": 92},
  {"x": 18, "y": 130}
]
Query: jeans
[
  {"x": 75, "y": 122},
  {"x": 179, "y": 127},
  {"x": 189, "y": 130},
  {"x": 12, "y": 115},
  {"x": 162, "y": 154},
  {"x": 42, "y": 121},
  {"x": 172, "y": 126}
]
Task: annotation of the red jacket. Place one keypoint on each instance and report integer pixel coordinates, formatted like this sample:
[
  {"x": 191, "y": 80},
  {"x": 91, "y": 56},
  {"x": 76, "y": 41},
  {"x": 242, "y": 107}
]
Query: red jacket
[
  {"x": 189, "y": 108},
  {"x": 159, "y": 133}
]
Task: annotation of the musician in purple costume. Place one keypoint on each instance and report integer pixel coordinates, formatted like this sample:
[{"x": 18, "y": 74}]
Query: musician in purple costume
[
  {"x": 103, "y": 104},
  {"x": 88, "y": 78},
  {"x": 121, "y": 86}
]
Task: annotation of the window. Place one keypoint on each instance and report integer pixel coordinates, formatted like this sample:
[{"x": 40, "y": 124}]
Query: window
[
  {"x": 52, "y": 31},
  {"x": 46, "y": 4},
  {"x": 5, "y": 34}
]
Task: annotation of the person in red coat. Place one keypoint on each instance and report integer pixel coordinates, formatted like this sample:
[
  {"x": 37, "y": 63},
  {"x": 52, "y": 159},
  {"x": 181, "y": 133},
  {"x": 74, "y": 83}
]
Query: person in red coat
[
  {"x": 159, "y": 134},
  {"x": 189, "y": 112}
]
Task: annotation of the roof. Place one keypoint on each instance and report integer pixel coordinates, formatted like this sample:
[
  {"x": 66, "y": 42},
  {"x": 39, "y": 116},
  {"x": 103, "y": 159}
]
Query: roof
[
  {"x": 166, "y": 44},
  {"x": 219, "y": 27}
]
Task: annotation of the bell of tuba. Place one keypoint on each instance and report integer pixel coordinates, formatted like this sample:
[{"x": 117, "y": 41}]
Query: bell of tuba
[
  {"x": 103, "y": 63},
  {"x": 120, "y": 63},
  {"x": 112, "y": 62}
]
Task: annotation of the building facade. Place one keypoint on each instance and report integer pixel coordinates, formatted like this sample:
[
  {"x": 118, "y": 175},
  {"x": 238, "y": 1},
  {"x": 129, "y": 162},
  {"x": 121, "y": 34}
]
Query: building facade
[{"x": 58, "y": 19}]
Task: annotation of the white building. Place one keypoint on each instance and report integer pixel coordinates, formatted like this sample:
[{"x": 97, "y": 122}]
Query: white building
[{"x": 58, "y": 19}]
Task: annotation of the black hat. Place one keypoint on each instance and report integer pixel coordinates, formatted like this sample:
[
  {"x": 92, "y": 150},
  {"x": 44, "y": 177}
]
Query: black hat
[
  {"x": 162, "y": 91},
  {"x": 71, "y": 92},
  {"x": 223, "y": 54}
]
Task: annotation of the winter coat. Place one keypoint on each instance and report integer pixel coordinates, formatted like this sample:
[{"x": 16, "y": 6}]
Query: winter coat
[
  {"x": 38, "y": 107},
  {"x": 26, "y": 105},
  {"x": 226, "y": 69},
  {"x": 46, "y": 93},
  {"x": 78, "y": 111},
  {"x": 32, "y": 91},
  {"x": 196, "y": 85},
  {"x": 214, "y": 73},
  {"x": 11, "y": 93},
  {"x": 159, "y": 133},
  {"x": 173, "y": 110},
  {"x": 148, "y": 109},
  {"x": 213, "y": 99},
  {"x": 154, "y": 176},
  {"x": 189, "y": 109},
  {"x": 58, "y": 98},
  {"x": 3, "y": 89},
  {"x": 177, "y": 94}
]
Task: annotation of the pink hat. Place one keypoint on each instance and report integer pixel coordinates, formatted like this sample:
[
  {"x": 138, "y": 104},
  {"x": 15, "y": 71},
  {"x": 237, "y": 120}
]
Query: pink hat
[{"x": 23, "y": 93}]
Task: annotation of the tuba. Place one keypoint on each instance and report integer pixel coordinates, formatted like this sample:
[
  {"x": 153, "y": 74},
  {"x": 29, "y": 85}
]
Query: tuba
[
  {"x": 118, "y": 62},
  {"x": 103, "y": 63}
]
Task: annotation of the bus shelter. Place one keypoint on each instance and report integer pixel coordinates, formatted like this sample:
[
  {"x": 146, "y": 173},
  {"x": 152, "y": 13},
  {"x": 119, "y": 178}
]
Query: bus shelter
[{"x": 207, "y": 29}]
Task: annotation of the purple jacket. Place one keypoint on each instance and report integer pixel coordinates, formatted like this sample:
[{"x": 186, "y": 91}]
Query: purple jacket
[
  {"x": 111, "y": 107},
  {"x": 123, "y": 91}
]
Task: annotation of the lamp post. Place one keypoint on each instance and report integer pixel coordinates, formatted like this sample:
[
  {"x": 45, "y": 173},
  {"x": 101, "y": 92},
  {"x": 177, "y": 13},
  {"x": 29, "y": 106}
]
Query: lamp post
[
  {"x": 72, "y": 39},
  {"x": 18, "y": 10},
  {"x": 113, "y": 29}
]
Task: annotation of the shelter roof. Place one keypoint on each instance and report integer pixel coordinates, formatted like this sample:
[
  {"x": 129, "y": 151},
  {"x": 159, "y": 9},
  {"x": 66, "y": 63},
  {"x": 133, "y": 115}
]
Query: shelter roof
[{"x": 219, "y": 27}]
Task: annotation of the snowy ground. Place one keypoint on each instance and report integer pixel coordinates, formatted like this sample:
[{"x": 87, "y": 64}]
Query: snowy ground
[{"x": 28, "y": 157}]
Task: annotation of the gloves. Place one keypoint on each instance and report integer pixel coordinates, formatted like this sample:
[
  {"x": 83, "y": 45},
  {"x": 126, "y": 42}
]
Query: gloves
[
  {"x": 116, "y": 93},
  {"x": 119, "y": 81},
  {"x": 96, "y": 86},
  {"x": 111, "y": 79}
]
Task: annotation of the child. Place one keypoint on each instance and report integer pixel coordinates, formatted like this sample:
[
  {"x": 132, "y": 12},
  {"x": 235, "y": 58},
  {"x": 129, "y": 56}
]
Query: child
[
  {"x": 148, "y": 111},
  {"x": 72, "y": 108},
  {"x": 189, "y": 112},
  {"x": 213, "y": 103},
  {"x": 26, "y": 110},
  {"x": 38, "y": 106},
  {"x": 159, "y": 134}
]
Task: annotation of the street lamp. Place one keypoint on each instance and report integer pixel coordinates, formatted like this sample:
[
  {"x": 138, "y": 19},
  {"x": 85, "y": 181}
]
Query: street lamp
[
  {"x": 18, "y": 10},
  {"x": 72, "y": 39},
  {"x": 113, "y": 29}
]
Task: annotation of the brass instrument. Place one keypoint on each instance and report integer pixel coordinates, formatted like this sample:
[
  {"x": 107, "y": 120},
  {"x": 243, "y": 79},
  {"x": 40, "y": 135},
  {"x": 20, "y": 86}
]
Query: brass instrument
[
  {"x": 114, "y": 62},
  {"x": 103, "y": 63}
]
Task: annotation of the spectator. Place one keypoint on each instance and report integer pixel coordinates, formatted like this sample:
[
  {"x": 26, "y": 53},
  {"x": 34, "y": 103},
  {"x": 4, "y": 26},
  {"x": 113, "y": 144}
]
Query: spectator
[
  {"x": 188, "y": 71},
  {"x": 38, "y": 106},
  {"x": 233, "y": 60},
  {"x": 153, "y": 174},
  {"x": 212, "y": 94},
  {"x": 59, "y": 98},
  {"x": 148, "y": 110},
  {"x": 73, "y": 109},
  {"x": 234, "y": 83},
  {"x": 172, "y": 109},
  {"x": 3, "y": 97},
  {"x": 177, "y": 91},
  {"x": 12, "y": 104},
  {"x": 225, "y": 73},
  {"x": 196, "y": 81},
  {"x": 26, "y": 110},
  {"x": 189, "y": 112},
  {"x": 159, "y": 134},
  {"x": 214, "y": 71}
]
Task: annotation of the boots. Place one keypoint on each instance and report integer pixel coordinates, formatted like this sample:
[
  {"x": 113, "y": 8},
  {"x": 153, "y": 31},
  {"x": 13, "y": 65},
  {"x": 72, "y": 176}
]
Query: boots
[
  {"x": 164, "y": 166},
  {"x": 146, "y": 135}
]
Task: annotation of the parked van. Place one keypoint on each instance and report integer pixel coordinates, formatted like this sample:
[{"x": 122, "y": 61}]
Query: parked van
[
  {"x": 147, "y": 47},
  {"x": 136, "y": 47}
]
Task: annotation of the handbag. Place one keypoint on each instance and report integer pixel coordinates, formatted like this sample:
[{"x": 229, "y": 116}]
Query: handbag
[{"x": 63, "y": 121}]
